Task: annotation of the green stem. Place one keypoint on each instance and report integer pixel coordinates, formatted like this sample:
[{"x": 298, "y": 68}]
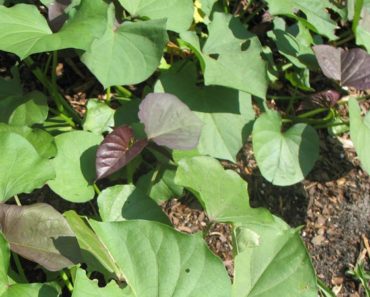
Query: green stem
[
  {"x": 68, "y": 120},
  {"x": 125, "y": 92},
  {"x": 66, "y": 280},
  {"x": 345, "y": 40},
  {"x": 312, "y": 113},
  {"x": 19, "y": 268},
  {"x": 59, "y": 100},
  {"x": 311, "y": 121},
  {"x": 96, "y": 189},
  {"x": 108, "y": 95},
  {"x": 17, "y": 201}
]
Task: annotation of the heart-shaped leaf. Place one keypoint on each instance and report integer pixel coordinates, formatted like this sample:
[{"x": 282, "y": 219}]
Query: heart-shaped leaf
[
  {"x": 284, "y": 158},
  {"x": 168, "y": 121},
  {"x": 128, "y": 54},
  {"x": 23, "y": 170},
  {"x": 41, "y": 234},
  {"x": 117, "y": 149},
  {"x": 350, "y": 67}
]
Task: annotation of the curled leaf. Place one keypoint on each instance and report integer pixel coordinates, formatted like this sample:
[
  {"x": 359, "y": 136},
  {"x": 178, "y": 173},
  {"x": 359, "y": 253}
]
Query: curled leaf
[
  {"x": 41, "y": 234},
  {"x": 350, "y": 67},
  {"x": 117, "y": 149},
  {"x": 168, "y": 121}
]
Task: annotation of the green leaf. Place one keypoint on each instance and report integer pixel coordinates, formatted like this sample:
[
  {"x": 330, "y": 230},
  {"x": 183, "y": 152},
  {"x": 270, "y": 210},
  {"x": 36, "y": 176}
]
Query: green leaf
[
  {"x": 93, "y": 251},
  {"x": 179, "y": 13},
  {"x": 360, "y": 133},
  {"x": 318, "y": 18},
  {"x": 128, "y": 54},
  {"x": 25, "y": 31},
  {"x": 75, "y": 165},
  {"x": 99, "y": 117},
  {"x": 40, "y": 233},
  {"x": 363, "y": 29},
  {"x": 290, "y": 47},
  {"x": 33, "y": 110},
  {"x": 25, "y": 169},
  {"x": 238, "y": 63},
  {"x": 272, "y": 262},
  {"x": 158, "y": 261},
  {"x": 84, "y": 287},
  {"x": 9, "y": 289},
  {"x": 159, "y": 185},
  {"x": 42, "y": 141},
  {"x": 284, "y": 158},
  {"x": 226, "y": 198},
  {"x": 125, "y": 202},
  {"x": 227, "y": 114},
  {"x": 24, "y": 110}
]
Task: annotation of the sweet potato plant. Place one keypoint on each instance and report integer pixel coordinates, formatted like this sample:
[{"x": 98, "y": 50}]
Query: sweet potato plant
[{"x": 204, "y": 76}]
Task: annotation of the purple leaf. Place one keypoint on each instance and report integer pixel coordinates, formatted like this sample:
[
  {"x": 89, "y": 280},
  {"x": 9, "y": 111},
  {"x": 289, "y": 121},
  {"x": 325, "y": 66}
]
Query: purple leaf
[
  {"x": 327, "y": 98},
  {"x": 350, "y": 67},
  {"x": 41, "y": 234},
  {"x": 168, "y": 121},
  {"x": 56, "y": 14},
  {"x": 328, "y": 58},
  {"x": 117, "y": 149}
]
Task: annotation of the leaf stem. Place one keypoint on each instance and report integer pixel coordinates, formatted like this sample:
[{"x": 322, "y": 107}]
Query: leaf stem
[
  {"x": 108, "y": 95},
  {"x": 125, "y": 92},
  {"x": 17, "y": 201},
  {"x": 96, "y": 189},
  {"x": 59, "y": 100},
  {"x": 66, "y": 281},
  {"x": 19, "y": 267}
]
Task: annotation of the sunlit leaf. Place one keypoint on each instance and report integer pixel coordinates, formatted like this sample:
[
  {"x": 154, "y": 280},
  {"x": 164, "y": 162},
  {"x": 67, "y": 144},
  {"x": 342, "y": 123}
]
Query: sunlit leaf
[
  {"x": 179, "y": 13},
  {"x": 75, "y": 165},
  {"x": 271, "y": 260},
  {"x": 360, "y": 133},
  {"x": 117, "y": 149},
  {"x": 316, "y": 11},
  {"x": 226, "y": 198},
  {"x": 25, "y": 31},
  {"x": 158, "y": 261},
  {"x": 168, "y": 121},
  {"x": 22, "y": 168},
  {"x": 99, "y": 117},
  {"x": 41, "y": 140},
  {"x": 284, "y": 158},
  {"x": 128, "y": 54},
  {"x": 41, "y": 234}
]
